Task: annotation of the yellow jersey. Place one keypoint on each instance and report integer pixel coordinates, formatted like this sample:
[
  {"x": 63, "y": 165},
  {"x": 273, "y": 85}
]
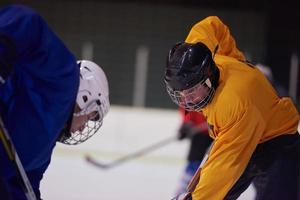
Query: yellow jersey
[{"x": 244, "y": 112}]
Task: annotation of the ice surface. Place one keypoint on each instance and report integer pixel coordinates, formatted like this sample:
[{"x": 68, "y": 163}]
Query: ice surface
[{"x": 125, "y": 130}]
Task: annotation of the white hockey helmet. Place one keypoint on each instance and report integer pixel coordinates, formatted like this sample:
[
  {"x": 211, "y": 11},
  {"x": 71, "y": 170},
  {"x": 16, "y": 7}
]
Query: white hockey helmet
[{"x": 92, "y": 97}]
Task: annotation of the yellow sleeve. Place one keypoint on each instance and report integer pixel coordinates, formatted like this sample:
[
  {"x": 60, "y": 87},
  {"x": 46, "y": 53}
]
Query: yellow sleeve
[
  {"x": 229, "y": 155},
  {"x": 212, "y": 32}
]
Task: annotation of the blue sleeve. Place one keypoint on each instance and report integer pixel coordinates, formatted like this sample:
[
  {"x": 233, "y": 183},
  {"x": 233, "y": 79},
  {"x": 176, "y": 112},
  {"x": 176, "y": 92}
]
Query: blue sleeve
[
  {"x": 19, "y": 32},
  {"x": 40, "y": 91}
]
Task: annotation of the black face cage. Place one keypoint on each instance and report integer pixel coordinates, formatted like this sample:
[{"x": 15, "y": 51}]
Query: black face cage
[{"x": 178, "y": 99}]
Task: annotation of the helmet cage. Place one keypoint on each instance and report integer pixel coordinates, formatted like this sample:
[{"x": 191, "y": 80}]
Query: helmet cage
[
  {"x": 90, "y": 127},
  {"x": 189, "y": 99}
]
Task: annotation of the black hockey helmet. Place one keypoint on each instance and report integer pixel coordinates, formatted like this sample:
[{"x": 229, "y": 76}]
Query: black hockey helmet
[{"x": 189, "y": 65}]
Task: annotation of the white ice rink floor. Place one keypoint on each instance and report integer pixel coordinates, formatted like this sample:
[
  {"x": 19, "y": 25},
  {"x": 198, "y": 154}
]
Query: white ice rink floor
[{"x": 125, "y": 130}]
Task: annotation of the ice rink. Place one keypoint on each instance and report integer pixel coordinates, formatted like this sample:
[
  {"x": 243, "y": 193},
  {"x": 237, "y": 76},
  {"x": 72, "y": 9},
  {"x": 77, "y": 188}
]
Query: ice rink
[{"x": 154, "y": 176}]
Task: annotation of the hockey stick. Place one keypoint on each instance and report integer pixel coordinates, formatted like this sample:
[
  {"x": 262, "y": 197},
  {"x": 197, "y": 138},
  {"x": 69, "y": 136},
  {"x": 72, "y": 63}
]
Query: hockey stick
[
  {"x": 131, "y": 156},
  {"x": 14, "y": 158},
  {"x": 195, "y": 179}
]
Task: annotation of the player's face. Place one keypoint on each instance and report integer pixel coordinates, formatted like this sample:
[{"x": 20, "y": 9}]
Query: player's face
[
  {"x": 194, "y": 95},
  {"x": 193, "y": 98},
  {"x": 79, "y": 121}
]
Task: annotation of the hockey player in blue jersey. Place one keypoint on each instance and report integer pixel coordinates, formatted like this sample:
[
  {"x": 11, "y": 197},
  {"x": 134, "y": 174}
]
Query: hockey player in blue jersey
[{"x": 45, "y": 95}]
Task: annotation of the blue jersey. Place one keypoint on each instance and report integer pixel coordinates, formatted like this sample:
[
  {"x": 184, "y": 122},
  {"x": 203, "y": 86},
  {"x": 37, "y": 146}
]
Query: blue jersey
[{"x": 40, "y": 90}]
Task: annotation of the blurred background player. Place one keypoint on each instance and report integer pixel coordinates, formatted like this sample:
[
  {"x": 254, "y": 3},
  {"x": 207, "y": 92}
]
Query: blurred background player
[
  {"x": 193, "y": 127},
  {"x": 45, "y": 95},
  {"x": 267, "y": 71}
]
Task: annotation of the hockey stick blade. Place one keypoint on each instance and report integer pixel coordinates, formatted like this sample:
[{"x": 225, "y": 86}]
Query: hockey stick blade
[
  {"x": 131, "y": 156},
  {"x": 89, "y": 159}
]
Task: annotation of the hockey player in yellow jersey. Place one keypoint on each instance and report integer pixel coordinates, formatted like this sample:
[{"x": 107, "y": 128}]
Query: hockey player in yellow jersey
[{"x": 252, "y": 127}]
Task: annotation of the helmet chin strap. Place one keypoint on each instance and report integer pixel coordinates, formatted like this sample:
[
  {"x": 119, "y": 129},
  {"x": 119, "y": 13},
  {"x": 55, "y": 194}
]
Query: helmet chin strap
[
  {"x": 87, "y": 109},
  {"x": 208, "y": 83},
  {"x": 78, "y": 114}
]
